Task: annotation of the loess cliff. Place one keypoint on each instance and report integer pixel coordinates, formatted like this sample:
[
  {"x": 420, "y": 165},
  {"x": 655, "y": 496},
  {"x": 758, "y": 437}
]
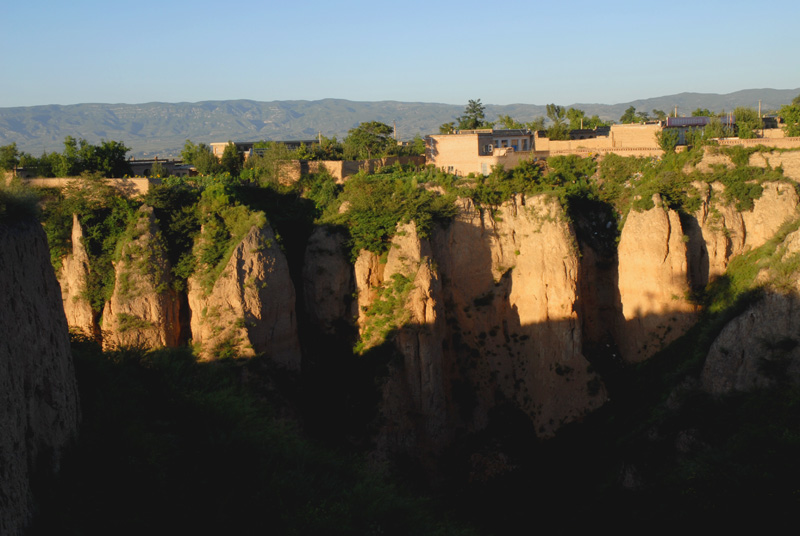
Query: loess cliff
[
  {"x": 505, "y": 311},
  {"x": 39, "y": 410}
]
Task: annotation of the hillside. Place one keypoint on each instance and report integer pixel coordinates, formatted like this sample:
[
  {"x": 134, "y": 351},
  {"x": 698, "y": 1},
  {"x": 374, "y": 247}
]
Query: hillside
[{"x": 162, "y": 128}]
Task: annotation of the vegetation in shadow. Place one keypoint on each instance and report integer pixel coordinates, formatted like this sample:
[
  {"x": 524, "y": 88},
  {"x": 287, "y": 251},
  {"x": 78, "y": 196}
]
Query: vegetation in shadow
[{"x": 169, "y": 445}]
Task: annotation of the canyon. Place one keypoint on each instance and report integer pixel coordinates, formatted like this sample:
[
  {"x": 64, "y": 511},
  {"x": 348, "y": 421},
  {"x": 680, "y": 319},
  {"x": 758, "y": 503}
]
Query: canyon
[{"x": 519, "y": 314}]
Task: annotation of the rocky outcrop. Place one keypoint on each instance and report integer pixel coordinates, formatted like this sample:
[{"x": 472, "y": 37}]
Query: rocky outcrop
[
  {"x": 653, "y": 282},
  {"x": 250, "y": 308},
  {"x": 143, "y": 310},
  {"x": 328, "y": 281},
  {"x": 761, "y": 346},
  {"x": 777, "y": 204},
  {"x": 38, "y": 395},
  {"x": 716, "y": 236},
  {"x": 413, "y": 410},
  {"x": 73, "y": 277},
  {"x": 510, "y": 285},
  {"x": 758, "y": 348}
]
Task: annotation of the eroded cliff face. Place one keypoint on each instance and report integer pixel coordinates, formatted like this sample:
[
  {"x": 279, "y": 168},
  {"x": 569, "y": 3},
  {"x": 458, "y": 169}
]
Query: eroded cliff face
[
  {"x": 716, "y": 234},
  {"x": 413, "y": 408},
  {"x": 761, "y": 346},
  {"x": 653, "y": 282},
  {"x": 328, "y": 281},
  {"x": 777, "y": 204},
  {"x": 73, "y": 278},
  {"x": 39, "y": 409},
  {"x": 756, "y": 348},
  {"x": 144, "y": 309},
  {"x": 511, "y": 296},
  {"x": 250, "y": 309}
]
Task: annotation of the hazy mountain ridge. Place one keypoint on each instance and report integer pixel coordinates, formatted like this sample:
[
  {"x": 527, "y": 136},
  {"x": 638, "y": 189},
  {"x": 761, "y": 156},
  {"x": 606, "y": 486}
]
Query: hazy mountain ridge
[{"x": 162, "y": 128}]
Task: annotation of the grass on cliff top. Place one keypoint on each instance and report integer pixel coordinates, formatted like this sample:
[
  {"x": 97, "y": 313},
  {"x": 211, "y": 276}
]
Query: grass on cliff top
[
  {"x": 225, "y": 222},
  {"x": 169, "y": 445},
  {"x": 375, "y": 204}
]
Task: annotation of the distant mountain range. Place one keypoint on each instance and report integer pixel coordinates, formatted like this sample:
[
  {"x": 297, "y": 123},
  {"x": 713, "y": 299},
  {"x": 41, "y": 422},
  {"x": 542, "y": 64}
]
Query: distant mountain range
[{"x": 162, "y": 128}]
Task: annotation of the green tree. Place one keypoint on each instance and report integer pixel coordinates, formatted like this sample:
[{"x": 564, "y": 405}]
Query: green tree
[
  {"x": 715, "y": 129},
  {"x": 201, "y": 157},
  {"x": 417, "y": 146},
  {"x": 109, "y": 159},
  {"x": 702, "y": 112},
  {"x": 9, "y": 157},
  {"x": 629, "y": 116},
  {"x": 558, "y": 130},
  {"x": 791, "y": 117},
  {"x": 474, "y": 116},
  {"x": 158, "y": 170},
  {"x": 537, "y": 124},
  {"x": 667, "y": 139},
  {"x": 747, "y": 122},
  {"x": 268, "y": 161},
  {"x": 661, "y": 115},
  {"x": 447, "y": 128},
  {"x": 579, "y": 120},
  {"x": 508, "y": 122},
  {"x": 368, "y": 140},
  {"x": 67, "y": 164},
  {"x": 576, "y": 119},
  {"x": 232, "y": 159}
]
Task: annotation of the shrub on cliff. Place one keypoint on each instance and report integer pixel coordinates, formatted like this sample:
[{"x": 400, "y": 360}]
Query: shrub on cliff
[
  {"x": 170, "y": 445},
  {"x": 104, "y": 214},
  {"x": 17, "y": 202},
  {"x": 224, "y": 223},
  {"x": 373, "y": 205}
]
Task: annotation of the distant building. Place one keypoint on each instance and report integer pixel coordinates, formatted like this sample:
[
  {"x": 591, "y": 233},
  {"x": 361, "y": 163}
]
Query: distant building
[
  {"x": 476, "y": 151},
  {"x": 247, "y": 148},
  {"x": 172, "y": 168}
]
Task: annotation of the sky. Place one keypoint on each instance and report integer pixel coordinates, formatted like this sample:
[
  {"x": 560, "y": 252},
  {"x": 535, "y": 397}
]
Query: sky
[{"x": 443, "y": 51}]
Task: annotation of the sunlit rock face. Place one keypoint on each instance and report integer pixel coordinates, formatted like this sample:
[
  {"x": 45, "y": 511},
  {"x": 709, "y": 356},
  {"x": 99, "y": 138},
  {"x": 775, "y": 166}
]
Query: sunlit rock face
[
  {"x": 653, "y": 282},
  {"x": 777, "y": 204},
  {"x": 39, "y": 409},
  {"x": 73, "y": 277},
  {"x": 143, "y": 309},
  {"x": 250, "y": 309},
  {"x": 510, "y": 287}
]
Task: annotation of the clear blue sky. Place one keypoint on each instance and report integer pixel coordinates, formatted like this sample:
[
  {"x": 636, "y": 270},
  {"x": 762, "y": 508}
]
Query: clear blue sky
[{"x": 532, "y": 52}]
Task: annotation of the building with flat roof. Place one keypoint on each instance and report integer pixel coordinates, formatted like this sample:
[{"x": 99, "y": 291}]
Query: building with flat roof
[
  {"x": 247, "y": 148},
  {"x": 477, "y": 151}
]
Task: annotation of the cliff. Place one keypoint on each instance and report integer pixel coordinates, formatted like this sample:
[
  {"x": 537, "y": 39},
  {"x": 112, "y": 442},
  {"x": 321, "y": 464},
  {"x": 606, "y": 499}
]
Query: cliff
[
  {"x": 760, "y": 347},
  {"x": 510, "y": 280},
  {"x": 401, "y": 296},
  {"x": 39, "y": 409},
  {"x": 653, "y": 282},
  {"x": 250, "y": 308},
  {"x": 73, "y": 277},
  {"x": 143, "y": 309}
]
